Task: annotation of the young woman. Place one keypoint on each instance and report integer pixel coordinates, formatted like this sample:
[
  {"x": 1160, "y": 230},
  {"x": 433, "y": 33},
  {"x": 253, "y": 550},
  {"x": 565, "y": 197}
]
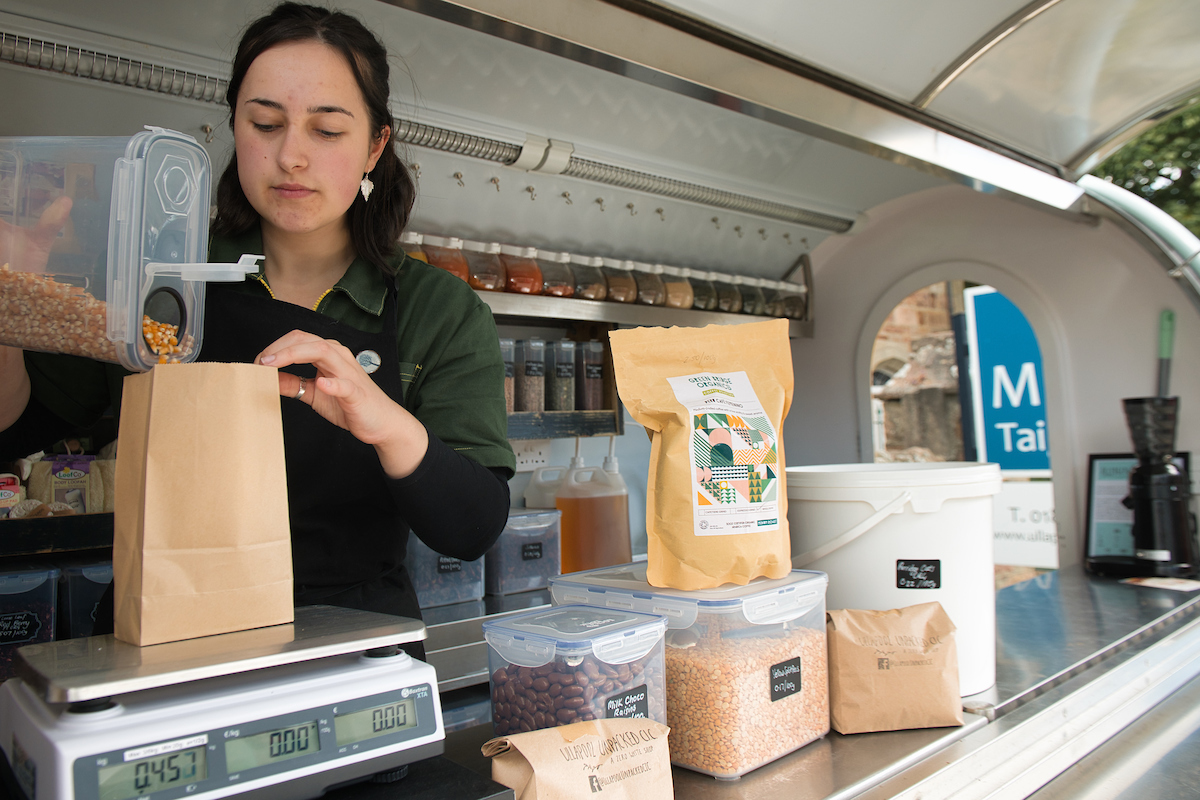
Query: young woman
[{"x": 390, "y": 370}]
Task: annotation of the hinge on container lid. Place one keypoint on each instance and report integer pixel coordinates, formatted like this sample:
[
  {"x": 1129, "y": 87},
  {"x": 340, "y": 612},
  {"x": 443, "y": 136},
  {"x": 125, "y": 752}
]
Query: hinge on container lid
[{"x": 208, "y": 272}]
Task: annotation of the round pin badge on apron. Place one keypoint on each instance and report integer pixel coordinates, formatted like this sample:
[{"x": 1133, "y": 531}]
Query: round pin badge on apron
[{"x": 369, "y": 360}]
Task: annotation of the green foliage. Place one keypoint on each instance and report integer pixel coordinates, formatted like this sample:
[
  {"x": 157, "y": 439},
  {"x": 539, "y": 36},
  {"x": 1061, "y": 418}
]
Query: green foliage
[{"x": 1163, "y": 166}]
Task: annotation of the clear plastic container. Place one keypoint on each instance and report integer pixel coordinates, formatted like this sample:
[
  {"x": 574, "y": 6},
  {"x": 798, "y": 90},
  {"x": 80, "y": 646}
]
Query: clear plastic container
[
  {"x": 543, "y": 486},
  {"x": 703, "y": 293},
  {"x": 557, "y": 278},
  {"x": 441, "y": 580},
  {"x": 753, "y": 301},
  {"x": 746, "y": 665},
  {"x": 508, "y": 353},
  {"x": 774, "y": 300},
  {"x": 595, "y": 524},
  {"x": 531, "y": 375},
  {"x": 446, "y": 253},
  {"x": 650, "y": 289},
  {"x": 560, "y": 375},
  {"x": 569, "y": 664},
  {"x": 79, "y": 593},
  {"x": 410, "y": 243},
  {"x": 590, "y": 283},
  {"x": 28, "y": 606},
  {"x": 622, "y": 288},
  {"x": 526, "y": 556},
  {"x": 485, "y": 271},
  {"x": 589, "y": 376},
  {"x": 729, "y": 299},
  {"x": 679, "y": 293},
  {"x": 122, "y": 279},
  {"x": 460, "y": 713},
  {"x": 523, "y": 275}
]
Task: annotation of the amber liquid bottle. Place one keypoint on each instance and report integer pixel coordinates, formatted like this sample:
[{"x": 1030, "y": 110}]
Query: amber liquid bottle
[{"x": 595, "y": 517}]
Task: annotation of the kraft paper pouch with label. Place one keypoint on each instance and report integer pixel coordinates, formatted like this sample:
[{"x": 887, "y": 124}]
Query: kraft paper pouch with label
[
  {"x": 202, "y": 542},
  {"x": 893, "y": 670},
  {"x": 626, "y": 759},
  {"x": 713, "y": 401}
]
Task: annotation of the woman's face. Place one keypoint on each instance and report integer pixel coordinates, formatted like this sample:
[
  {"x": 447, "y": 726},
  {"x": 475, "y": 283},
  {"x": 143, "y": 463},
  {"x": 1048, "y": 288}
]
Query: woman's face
[{"x": 303, "y": 137}]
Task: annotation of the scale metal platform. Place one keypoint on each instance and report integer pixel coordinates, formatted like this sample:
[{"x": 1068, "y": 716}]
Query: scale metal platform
[{"x": 288, "y": 711}]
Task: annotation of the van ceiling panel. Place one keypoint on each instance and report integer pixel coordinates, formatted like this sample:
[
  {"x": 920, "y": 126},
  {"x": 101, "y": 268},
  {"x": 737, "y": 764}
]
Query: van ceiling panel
[{"x": 1063, "y": 81}]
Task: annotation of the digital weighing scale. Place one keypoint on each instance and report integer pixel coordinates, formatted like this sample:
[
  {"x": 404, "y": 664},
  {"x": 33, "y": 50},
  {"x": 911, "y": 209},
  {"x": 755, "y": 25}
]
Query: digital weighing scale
[{"x": 288, "y": 711}]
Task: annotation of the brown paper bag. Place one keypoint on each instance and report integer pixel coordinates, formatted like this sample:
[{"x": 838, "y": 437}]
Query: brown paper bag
[
  {"x": 626, "y": 759},
  {"x": 893, "y": 670},
  {"x": 713, "y": 401},
  {"x": 201, "y": 543}
]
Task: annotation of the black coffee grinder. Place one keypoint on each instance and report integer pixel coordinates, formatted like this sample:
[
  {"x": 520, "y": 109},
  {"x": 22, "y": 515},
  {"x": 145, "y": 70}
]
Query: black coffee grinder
[{"x": 1164, "y": 536}]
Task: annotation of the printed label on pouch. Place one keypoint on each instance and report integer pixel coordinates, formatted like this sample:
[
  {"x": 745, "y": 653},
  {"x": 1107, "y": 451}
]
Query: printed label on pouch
[
  {"x": 531, "y": 551},
  {"x": 918, "y": 574},
  {"x": 20, "y": 627},
  {"x": 785, "y": 679},
  {"x": 633, "y": 704},
  {"x": 535, "y": 369},
  {"x": 734, "y": 455},
  {"x": 448, "y": 564}
]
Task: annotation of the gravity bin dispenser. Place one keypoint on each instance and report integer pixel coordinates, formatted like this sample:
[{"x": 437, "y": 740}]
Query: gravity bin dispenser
[{"x": 103, "y": 242}]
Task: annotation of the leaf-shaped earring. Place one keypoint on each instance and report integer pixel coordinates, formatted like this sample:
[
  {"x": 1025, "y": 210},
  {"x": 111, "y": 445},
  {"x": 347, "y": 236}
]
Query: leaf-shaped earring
[{"x": 366, "y": 187}]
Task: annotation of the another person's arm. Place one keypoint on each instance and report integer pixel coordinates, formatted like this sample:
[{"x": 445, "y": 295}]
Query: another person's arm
[{"x": 14, "y": 386}]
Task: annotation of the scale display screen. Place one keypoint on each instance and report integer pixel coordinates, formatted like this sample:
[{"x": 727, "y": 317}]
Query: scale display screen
[
  {"x": 271, "y": 747},
  {"x": 359, "y": 726},
  {"x": 138, "y": 777}
]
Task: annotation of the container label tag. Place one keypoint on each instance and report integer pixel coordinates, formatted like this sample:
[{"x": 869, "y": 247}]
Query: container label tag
[
  {"x": 21, "y": 626},
  {"x": 531, "y": 551},
  {"x": 918, "y": 574},
  {"x": 785, "y": 679},
  {"x": 448, "y": 564},
  {"x": 734, "y": 455},
  {"x": 633, "y": 704}
]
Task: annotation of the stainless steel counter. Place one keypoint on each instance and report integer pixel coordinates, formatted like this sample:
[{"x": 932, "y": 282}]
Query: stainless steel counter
[{"x": 1080, "y": 660}]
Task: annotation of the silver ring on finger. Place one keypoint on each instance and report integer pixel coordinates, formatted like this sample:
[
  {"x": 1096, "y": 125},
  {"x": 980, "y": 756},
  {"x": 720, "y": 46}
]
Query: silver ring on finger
[{"x": 299, "y": 394}]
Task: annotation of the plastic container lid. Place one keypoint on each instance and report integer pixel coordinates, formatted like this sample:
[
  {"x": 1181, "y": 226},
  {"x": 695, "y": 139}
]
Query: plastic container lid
[
  {"x": 521, "y": 252},
  {"x": 761, "y": 602},
  {"x": 26, "y": 580},
  {"x": 587, "y": 261},
  {"x": 480, "y": 247},
  {"x": 611, "y": 635},
  {"x": 411, "y": 237},
  {"x": 616, "y": 263},
  {"x": 450, "y": 242}
]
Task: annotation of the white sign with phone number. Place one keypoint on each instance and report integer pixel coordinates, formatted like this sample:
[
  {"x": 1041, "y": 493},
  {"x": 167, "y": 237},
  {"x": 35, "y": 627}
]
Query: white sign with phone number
[{"x": 1023, "y": 524}]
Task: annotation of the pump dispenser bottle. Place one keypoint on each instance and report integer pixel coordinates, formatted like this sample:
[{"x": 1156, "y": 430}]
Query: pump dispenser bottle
[{"x": 595, "y": 514}]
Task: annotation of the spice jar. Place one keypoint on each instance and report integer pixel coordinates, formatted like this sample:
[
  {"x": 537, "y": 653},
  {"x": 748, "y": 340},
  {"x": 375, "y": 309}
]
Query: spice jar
[
  {"x": 560, "y": 376},
  {"x": 507, "y": 352},
  {"x": 678, "y": 289},
  {"x": 557, "y": 279},
  {"x": 589, "y": 376},
  {"x": 704, "y": 295},
  {"x": 522, "y": 272},
  {"x": 484, "y": 268},
  {"x": 531, "y": 375},
  {"x": 622, "y": 288},
  {"x": 410, "y": 243},
  {"x": 753, "y": 301},
  {"x": 729, "y": 299},
  {"x": 794, "y": 300},
  {"x": 650, "y": 289},
  {"x": 589, "y": 279},
  {"x": 446, "y": 253}
]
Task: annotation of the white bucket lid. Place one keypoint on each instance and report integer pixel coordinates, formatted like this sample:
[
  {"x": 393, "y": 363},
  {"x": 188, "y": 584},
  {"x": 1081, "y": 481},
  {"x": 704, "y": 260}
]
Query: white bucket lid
[{"x": 927, "y": 484}]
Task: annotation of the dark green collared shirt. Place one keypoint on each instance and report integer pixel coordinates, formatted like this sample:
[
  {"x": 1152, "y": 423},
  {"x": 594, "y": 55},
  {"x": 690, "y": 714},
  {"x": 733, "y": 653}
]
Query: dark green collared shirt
[{"x": 446, "y": 339}]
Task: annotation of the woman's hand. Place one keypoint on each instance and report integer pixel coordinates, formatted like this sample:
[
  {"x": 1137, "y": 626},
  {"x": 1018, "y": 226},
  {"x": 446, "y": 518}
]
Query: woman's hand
[
  {"x": 28, "y": 249},
  {"x": 345, "y": 395},
  {"x": 14, "y": 386}
]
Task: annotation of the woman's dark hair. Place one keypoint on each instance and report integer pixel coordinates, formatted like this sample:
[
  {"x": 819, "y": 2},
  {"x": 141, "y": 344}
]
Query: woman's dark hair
[{"x": 375, "y": 227}]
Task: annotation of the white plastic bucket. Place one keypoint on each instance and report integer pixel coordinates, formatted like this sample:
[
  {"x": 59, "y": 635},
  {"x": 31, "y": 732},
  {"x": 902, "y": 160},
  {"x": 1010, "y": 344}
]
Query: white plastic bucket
[{"x": 893, "y": 535}]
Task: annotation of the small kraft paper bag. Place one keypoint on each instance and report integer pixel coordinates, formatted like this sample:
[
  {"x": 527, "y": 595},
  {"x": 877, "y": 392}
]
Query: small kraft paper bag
[
  {"x": 202, "y": 543},
  {"x": 713, "y": 401},
  {"x": 893, "y": 670},
  {"x": 626, "y": 759}
]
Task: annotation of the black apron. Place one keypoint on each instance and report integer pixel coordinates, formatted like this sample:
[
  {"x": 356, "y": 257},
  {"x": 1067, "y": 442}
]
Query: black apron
[{"x": 348, "y": 538}]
